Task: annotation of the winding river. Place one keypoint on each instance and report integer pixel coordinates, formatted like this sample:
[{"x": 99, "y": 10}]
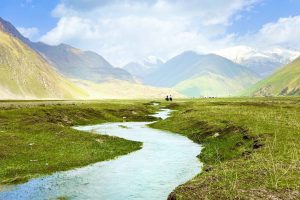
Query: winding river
[{"x": 165, "y": 161}]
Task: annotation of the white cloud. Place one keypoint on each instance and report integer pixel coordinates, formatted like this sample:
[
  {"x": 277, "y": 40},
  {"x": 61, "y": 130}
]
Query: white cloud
[
  {"x": 123, "y": 30},
  {"x": 285, "y": 32},
  {"x": 30, "y": 33}
]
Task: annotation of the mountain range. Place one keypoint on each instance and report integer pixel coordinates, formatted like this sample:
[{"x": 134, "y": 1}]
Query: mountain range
[
  {"x": 75, "y": 63},
  {"x": 72, "y": 62},
  {"x": 197, "y": 75},
  {"x": 35, "y": 70},
  {"x": 263, "y": 63},
  {"x": 39, "y": 71}
]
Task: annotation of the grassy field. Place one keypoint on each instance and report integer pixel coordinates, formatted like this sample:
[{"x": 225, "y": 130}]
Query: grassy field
[
  {"x": 36, "y": 138},
  {"x": 251, "y": 147}
]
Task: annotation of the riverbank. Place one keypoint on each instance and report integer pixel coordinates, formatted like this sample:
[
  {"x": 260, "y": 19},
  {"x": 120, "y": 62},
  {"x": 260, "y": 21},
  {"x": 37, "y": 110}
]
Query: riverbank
[
  {"x": 130, "y": 176},
  {"x": 250, "y": 147},
  {"x": 36, "y": 138}
]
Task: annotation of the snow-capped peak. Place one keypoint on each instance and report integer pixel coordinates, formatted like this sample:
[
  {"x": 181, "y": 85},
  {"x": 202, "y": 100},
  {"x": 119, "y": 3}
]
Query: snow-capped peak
[
  {"x": 239, "y": 53},
  {"x": 152, "y": 60},
  {"x": 283, "y": 55}
]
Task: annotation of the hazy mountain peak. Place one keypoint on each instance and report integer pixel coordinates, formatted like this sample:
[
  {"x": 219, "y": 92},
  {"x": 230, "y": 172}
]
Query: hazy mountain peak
[
  {"x": 263, "y": 62},
  {"x": 239, "y": 53},
  {"x": 152, "y": 60},
  {"x": 189, "y": 53},
  {"x": 140, "y": 69}
]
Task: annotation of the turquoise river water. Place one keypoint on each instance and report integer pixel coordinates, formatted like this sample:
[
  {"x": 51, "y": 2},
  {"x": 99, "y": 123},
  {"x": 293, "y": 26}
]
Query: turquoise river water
[{"x": 165, "y": 161}]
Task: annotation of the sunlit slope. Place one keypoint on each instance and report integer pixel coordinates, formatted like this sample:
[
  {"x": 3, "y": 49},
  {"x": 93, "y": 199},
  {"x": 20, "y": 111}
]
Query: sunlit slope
[
  {"x": 75, "y": 63},
  {"x": 24, "y": 74},
  {"x": 197, "y": 75},
  {"x": 285, "y": 81},
  {"x": 211, "y": 84},
  {"x": 124, "y": 90}
]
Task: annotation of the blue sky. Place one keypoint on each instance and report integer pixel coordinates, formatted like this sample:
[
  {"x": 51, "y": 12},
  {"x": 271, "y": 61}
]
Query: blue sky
[
  {"x": 24, "y": 13},
  {"x": 265, "y": 12},
  {"x": 125, "y": 30}
]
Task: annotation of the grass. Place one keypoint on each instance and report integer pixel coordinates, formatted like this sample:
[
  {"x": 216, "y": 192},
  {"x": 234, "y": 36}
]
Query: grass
[
  {"x": 251, "y": 147},
  {"x": 284, "y": 81},
  {"x": 36, "y": 138}
]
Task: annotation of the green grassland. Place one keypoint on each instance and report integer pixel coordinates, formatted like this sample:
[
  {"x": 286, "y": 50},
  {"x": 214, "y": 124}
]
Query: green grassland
[
  {"x": 36, "y": 137},
  {"x": 251, "y": 147},
  {"x": 283, "y": 82}
]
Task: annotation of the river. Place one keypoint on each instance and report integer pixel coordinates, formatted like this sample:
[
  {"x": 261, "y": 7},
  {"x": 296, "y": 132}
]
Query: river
[{"x": 165, "y": 161}]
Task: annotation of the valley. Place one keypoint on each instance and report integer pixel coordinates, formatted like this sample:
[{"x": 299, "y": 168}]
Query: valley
[
  {"x": 149, "y": 100},
  {"x": 250, "y": 156}
]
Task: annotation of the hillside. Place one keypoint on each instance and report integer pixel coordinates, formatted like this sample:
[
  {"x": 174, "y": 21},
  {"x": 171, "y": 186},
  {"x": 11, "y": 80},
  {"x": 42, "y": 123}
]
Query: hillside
[
  {"x": 70, "y": 61},
  {"x": 197, "y": 75},
  {"x": 24, "y": 74},
  {"x": 75, "y": 63},
  {"x": 285, "y": 81}
]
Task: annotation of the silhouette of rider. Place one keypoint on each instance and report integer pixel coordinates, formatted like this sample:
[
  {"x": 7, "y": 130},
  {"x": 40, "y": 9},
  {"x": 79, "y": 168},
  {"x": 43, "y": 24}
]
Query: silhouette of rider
[{"x": 167, "y": 98}]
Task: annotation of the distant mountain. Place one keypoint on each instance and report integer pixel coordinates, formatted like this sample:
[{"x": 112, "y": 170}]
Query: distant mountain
[
  {"x": 24, "y": 74},
  {"x": 202, "y": 75},
  {"x": 85, "y": 65},
  {"x": 141, "y": 69},
  {"x": 285, "y": 82},
  {"x": 73, "y": 62},
  {"x": 262, "y": 62}
]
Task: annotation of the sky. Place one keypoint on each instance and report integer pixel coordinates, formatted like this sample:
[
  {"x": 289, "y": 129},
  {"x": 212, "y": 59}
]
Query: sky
[{"x": 131, "y": 30}]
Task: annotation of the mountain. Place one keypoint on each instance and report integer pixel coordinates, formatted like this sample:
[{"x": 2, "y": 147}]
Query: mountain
[
  {"x": 7, "y": 27},
  {"x": 73, "y": 62},
  {"x": 143, "y": 68},
  {"x": 262, "y": 62},
  {"x": 197, "y": 75},
  {"x": 24, "y": 74},
  {"x": 285, "y": 81}
]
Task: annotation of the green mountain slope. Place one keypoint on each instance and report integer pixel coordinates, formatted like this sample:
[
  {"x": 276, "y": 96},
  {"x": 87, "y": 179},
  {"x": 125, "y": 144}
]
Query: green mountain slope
[
  {"x": 24, "y": 74},
  {"x": 70, "y": 61},
  {"x": 209, "y": 84},
  {"x": 285, "y": 81},
  {"x": 197, "y": 75}
]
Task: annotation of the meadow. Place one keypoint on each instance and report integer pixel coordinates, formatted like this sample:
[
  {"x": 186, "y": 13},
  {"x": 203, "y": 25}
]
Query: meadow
[
  {"x": 251, "y": 147},
  {"x": 37, "y": 138}
]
